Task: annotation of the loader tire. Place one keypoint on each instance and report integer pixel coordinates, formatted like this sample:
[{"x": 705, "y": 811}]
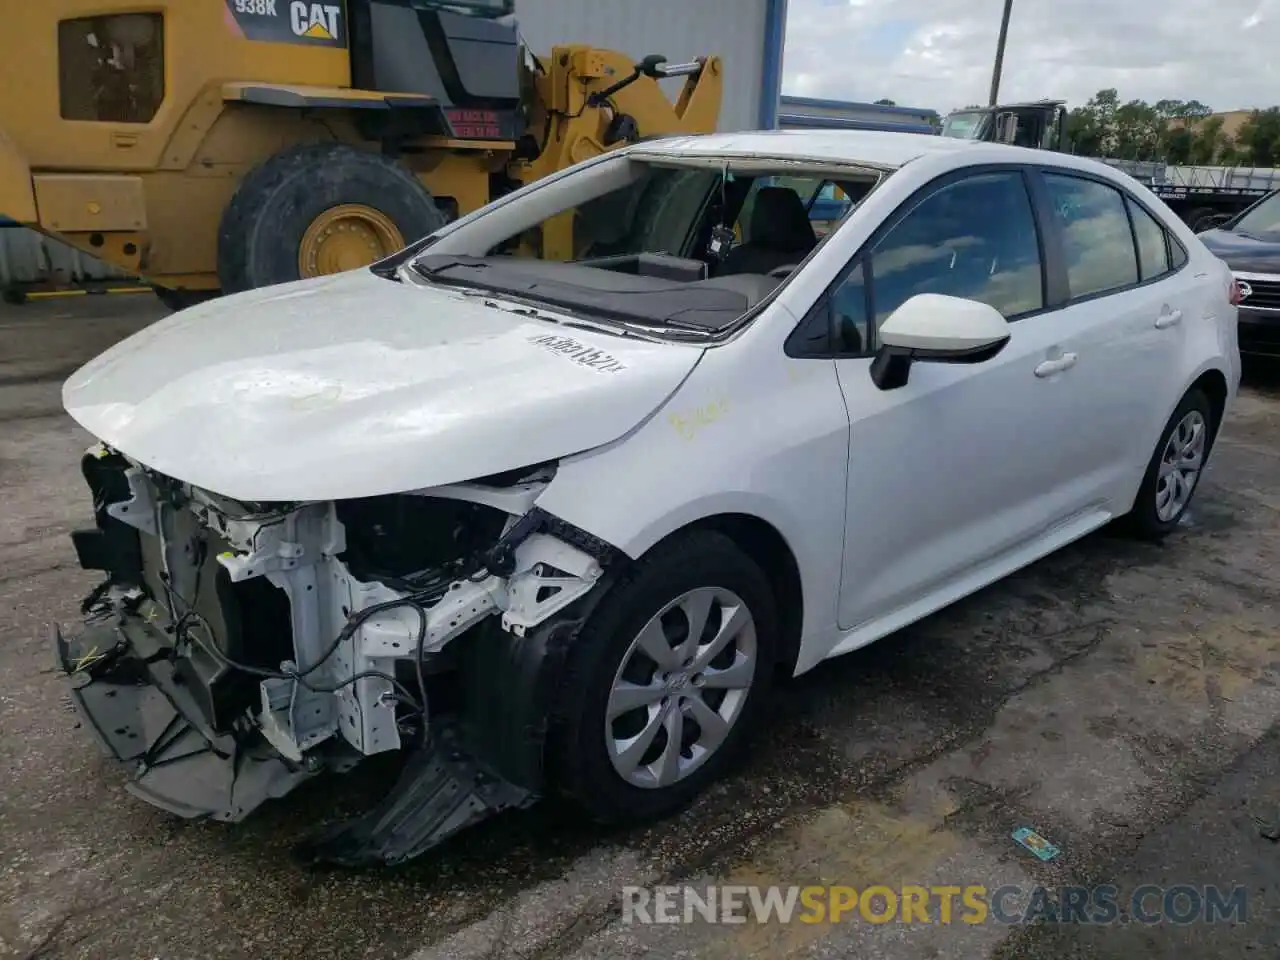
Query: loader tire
[
  {"x": 181, "y": 299},
  {"x": 318, "y": 209}
]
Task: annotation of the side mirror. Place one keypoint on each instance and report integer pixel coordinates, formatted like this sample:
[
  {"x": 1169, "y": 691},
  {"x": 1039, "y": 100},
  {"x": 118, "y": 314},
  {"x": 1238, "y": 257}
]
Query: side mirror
[{"x": 934, "y": 328}]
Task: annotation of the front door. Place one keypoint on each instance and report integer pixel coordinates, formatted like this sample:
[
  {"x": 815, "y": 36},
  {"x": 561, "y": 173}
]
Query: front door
[{"x": 965, "y": 463}]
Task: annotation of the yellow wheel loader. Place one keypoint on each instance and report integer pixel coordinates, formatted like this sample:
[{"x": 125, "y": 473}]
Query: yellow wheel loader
[{"x": 221, "y": 145}]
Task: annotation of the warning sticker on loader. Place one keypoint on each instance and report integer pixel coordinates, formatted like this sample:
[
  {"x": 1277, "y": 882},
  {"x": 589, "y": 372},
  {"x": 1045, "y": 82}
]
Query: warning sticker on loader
[{"x": 321, "y": 23}]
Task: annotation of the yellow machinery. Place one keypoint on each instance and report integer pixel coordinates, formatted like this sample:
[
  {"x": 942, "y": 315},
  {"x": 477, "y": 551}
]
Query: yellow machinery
[{"x": 210, "y": 145}]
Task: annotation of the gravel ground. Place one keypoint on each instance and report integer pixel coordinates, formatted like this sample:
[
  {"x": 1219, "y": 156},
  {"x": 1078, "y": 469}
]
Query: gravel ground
[{"x": 1119, "y": 698}]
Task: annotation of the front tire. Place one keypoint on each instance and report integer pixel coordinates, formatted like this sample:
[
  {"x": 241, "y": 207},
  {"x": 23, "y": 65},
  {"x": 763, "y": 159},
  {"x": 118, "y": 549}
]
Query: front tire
[
  {"x": 1175, "y": 468},
  {"x": 665, "y": 681}
]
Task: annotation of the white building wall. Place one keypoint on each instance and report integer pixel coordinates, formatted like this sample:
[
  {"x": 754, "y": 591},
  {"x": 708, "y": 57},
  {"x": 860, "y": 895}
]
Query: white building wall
[{"x": 679, "y": 30}]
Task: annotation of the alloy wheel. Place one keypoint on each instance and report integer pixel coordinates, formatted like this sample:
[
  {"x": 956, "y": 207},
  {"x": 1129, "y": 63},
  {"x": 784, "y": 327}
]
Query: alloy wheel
[
  {"x": 681, "y": 687},
  {"x": 1180, "y": 465}
]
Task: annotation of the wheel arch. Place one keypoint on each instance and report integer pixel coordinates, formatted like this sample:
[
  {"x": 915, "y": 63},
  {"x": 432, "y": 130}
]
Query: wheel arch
[
  {"x": 765, "y": 545},
  {"x": 1213, "y": 382}
]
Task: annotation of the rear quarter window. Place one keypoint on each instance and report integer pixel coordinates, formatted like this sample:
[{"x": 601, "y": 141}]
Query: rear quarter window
[{"x": 1153, "y": 244}]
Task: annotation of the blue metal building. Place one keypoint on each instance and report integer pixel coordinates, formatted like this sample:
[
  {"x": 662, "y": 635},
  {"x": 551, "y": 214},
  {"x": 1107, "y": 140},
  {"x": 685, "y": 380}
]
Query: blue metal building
[{"x": 811, "y": 113}]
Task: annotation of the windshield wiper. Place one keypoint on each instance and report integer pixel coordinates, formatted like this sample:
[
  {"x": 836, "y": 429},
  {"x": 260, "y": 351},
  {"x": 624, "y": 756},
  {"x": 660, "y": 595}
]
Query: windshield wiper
[
  {"x": 434, "y": 273},
  {"x": 605, "y": 324},
  {"x": 503, "y": 301},
  {"x": 672, "y": 326}
]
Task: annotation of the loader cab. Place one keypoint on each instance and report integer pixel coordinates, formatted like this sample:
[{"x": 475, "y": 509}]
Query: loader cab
[
  {"x": 464, "y": 54},
  {"x": 1041, "y": 125}
]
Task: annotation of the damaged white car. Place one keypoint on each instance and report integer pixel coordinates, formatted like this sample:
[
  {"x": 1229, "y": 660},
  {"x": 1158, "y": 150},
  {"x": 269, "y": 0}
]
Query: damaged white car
[{"x": 554, "y": 527}]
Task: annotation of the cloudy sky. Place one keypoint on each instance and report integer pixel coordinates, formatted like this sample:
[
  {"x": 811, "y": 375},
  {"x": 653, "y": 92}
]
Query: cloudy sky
[{"x": 938, "y": 53}]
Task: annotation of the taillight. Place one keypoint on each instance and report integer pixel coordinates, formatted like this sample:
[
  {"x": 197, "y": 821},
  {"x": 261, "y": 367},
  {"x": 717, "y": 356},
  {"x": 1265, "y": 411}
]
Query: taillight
[{"x": 1233, "y": 292}]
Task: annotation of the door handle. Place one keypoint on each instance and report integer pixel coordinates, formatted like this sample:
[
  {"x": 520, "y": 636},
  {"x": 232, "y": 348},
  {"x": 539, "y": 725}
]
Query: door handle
[
  {"x": 1170, "y": 319},
  {"x": 1049, "y": 367}
]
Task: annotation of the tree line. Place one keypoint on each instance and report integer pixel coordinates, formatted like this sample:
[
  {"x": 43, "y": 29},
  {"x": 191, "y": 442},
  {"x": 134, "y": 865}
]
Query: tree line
[
  {"x": 1169, "y": 131},
  {"x": 1172, "y": 131}
]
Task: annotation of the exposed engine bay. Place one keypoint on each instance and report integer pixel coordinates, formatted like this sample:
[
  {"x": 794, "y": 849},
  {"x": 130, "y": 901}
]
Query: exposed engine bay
[{"x": 235, "y": 650}]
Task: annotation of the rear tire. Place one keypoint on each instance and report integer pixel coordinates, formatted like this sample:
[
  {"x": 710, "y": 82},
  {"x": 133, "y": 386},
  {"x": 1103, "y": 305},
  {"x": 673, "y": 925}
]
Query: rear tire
[
  {"x": 283, "y": 205},
  {"x": 606, "y": 664},
  {"x": 1170, "y": 482}
]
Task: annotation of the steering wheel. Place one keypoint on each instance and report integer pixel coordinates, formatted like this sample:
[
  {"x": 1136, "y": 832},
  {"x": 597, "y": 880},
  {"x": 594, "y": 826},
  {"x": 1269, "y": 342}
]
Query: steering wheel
[{"x": 783, "y": 271}]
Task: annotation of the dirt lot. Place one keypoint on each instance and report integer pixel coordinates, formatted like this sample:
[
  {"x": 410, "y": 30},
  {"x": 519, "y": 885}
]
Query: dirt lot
[{"x": 1118, "y": 698}]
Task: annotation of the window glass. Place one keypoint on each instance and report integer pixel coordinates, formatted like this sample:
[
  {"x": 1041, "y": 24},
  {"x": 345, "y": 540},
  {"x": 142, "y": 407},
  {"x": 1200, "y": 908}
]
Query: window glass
[
  {"x": 657, "y": 212},
  {"x": 1097, "y": 241},
  {"x": 111, "y": 68},
  {"x": 975, "y": 238},
  {"x": 965, "y": 126},
  {"x": 1153, "y": 253},
  {"x": 848, "y": 314},
  {"x": 1262, "y": 217},
  {"x": 1177, "y": 255}
]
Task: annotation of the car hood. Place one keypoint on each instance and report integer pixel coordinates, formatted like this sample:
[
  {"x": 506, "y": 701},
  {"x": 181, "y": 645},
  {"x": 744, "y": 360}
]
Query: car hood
[
  {"x": 1258, "y": 253},
  {"x": 355, "y": 385}
]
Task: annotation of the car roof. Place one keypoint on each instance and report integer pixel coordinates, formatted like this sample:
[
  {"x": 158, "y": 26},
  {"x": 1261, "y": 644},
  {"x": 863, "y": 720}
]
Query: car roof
[{"x": 879, "y": 148}]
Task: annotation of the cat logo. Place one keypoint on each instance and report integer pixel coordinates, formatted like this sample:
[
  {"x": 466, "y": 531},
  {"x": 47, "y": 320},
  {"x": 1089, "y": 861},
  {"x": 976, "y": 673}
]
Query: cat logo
[{"x": 315, "y": 21}]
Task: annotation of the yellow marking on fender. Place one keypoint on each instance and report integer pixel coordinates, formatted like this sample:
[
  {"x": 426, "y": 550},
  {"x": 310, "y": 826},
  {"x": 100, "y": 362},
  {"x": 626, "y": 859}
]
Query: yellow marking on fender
[{"x": 692, "y": 422}]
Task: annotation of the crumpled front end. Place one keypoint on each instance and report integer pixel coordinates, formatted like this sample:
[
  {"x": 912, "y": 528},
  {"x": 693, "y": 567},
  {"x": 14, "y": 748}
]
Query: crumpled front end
[{"x": 235, "y": 650}]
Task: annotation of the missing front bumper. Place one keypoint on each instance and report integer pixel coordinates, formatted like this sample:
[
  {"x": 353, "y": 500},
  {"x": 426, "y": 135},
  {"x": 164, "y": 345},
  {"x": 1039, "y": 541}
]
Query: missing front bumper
[
  {"x": 126, "y": 690},
  {"x": 196, "y": 681}
]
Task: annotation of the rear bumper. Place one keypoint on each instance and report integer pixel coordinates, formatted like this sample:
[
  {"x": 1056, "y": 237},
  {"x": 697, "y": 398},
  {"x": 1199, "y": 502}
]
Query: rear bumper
[
  {"x": 1259, "y": 332},
  {"x": 17, "y": 193}
]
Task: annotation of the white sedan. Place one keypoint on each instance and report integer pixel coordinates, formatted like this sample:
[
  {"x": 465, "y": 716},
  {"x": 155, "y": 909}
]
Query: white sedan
[{"x": 555, "y": 527}]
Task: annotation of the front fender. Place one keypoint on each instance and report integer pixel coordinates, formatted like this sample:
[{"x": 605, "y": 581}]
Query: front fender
[{"x": 766, "y": 440}]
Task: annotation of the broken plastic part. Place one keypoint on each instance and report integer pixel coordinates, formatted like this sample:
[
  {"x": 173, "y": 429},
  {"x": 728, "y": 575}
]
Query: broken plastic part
[
  {"x": 317, "y": 648},
  {"x": 180, "y": 764},
  {"x": 441, "y": 791}
]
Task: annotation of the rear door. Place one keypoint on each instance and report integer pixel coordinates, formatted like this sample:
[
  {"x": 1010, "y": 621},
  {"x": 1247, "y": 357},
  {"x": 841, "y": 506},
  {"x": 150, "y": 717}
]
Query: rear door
[{"x": 1130, "y": 305}]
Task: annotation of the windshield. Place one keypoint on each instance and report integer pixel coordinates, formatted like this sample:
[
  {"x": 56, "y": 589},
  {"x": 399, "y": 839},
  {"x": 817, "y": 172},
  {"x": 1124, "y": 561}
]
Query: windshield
[
  {"x": 671, "y": 242},
  {"x": 489, "y": 9},
  {"x": 1263, "y": 217},
  {"x": 652, "y": 213},
  {"x": 965, "y": 125}
]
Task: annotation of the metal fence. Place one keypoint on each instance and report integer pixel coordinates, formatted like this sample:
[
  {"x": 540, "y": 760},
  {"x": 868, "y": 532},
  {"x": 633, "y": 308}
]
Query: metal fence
[
  {"x": 1223, "y": 178},
  {"x": 1226, "y": 179}
]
